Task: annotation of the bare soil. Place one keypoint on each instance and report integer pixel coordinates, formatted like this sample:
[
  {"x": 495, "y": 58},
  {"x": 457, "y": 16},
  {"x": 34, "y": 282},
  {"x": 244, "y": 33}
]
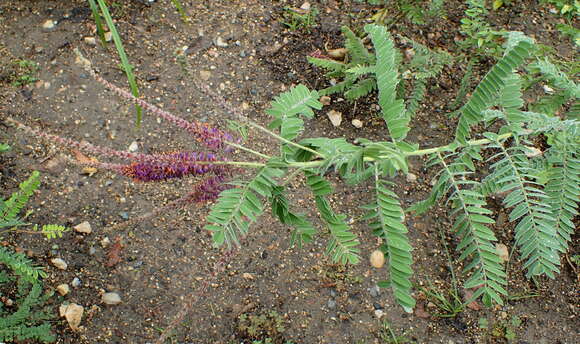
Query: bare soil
[{"x": 167, "y": 264}]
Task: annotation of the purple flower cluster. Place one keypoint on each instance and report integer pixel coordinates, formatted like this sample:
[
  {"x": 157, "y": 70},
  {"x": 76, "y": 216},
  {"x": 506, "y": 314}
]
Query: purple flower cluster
[
  {"x": 173, "y": 165},
  {"x": 208, "y": 189}
]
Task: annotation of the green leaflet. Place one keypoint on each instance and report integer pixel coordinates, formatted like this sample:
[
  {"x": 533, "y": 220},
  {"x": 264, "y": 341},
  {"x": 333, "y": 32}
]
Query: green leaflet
[
  {"x": 342, "y": 247},
  {"x": 563, "y": 186},
  {"x": 235, "y": 209},
  {"x": 386, "y": 71},
  {"x": 518, "y": 48},
  {"x": 534, "y": 232},
  {"x": 298, "y": 100},
  {"x": 303, "y": 231},
  {"x": 476, "y": 239},
  {"x": 388, "y": 224},
  {"x": 12, "y": 206}
]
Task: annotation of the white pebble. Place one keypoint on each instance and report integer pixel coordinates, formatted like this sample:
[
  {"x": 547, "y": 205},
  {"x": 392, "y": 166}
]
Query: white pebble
[
  {"x": 357, "y": 123},
  {"x": 411, "y": 177},
  {"x": 76, "y": 282},
  {"x": 91, "y": 40},
  {"x": 220, "y": 42},
  {"x": 59, "y": 263},
  {"x": 84, "y": 227},
  {"x": 111, "y": 298},
  {"x": 133, "y": 147},
  {"x": 49, "y": 24}
]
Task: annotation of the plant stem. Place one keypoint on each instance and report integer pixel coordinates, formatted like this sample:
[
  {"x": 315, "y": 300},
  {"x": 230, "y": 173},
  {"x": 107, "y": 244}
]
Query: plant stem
[
  {"x": 248, "y": 150},
  {"x": 453, "y": 146},
  {"x": 259, "y": 127}
]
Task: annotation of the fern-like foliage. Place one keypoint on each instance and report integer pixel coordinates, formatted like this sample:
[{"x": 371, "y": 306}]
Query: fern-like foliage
[
  {"x": 286, "y": 107},
  {"x": 465, "y": 83},
  {"x": 388, "y": 224},
  {"x": 237, "y": 208},
  {"x": 21, "y": 265},
  {"x": 476, "y": 239},
  {"x": 534, "y": 232},
  {"x": 342, "y": 247},
  {"x": 518, "y": 48},
  {"x": 564, "y": 89},
  {"x": 358, "y": 53},
  {"x": 12, "y": 206},
  {"x": 51, "y": 231},
  {"x": 563, "y": 183},
  {"x": 360, "y": 61},
  {"x": 393, "y": 109},
  {"x": 28, "y": 322},
  {"x": 304, "y": 231}
]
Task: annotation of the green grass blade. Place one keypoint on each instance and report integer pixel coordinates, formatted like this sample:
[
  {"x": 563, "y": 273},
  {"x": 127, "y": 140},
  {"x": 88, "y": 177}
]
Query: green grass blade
[
  {"x": 180, "y": 10},
  {"x": 98, "y": 22},
  {"x": 124, "y": 60}
]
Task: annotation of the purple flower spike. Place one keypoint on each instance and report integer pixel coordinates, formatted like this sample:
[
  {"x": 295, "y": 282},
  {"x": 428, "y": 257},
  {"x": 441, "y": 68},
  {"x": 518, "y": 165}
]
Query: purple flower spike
[
  {"x": 173, "y": 165},
  {"x": 208, "y": 189}
]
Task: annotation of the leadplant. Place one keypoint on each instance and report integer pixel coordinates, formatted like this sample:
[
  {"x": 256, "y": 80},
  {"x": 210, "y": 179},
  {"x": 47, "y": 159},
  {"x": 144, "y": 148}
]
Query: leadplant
[
  {"x": 541, "y": 212},
  {"x": 539, "y": 188}
]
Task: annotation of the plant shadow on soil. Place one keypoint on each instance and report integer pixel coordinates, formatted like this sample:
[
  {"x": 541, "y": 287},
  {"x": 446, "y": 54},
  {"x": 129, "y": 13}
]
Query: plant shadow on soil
[{"x": 164, "y": 261}]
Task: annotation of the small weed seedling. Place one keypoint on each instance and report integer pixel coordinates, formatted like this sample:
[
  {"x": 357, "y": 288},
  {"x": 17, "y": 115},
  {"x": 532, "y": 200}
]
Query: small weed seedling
[
  {"x": 479, "y": 34},
  {"x": 24, "y": 72},
  {"x": 418, "y": 12},
  {"x": 262, "y": 328},
  {"x": 300, "y": 19},
  {"x": 388, "y": 335}
]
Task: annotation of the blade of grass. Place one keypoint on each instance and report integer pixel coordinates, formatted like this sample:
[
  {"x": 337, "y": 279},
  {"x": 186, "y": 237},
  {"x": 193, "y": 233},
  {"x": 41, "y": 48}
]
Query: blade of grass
[
  {"x": 98, "y": 22},
  {"x": 124, "y": 60},
  {"x": 180, "y": 10}
]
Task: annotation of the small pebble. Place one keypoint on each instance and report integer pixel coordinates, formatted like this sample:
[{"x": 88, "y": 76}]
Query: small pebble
[
  {"x": 331, "y": 304},
  {"x": 49, "y": 24},
  {"x": 375, "y": 291},
  {"x": 105, "y": 242},
  {"x": 91, "y": 40},
  {"x": 133, "y": 147},
  {"x": 379, "y": 313},
  {"x": 92, "y": 250},
  {"x": 377, "y": 259},
  {"x": 205, "y": 75},
  {"x": 84, "y": 227},
  {"x": 111, "y": 298},
  {"x": 76, "y": 282},
  {"x": 357, "y": 123},
  {"x": 124, "y": 215},
  {"x": 411, "y": 177},
  {"x": 335, "y": 117},
  {"x": 219, "y": 42},
  {"x": 59, "y": 263},
  {"x": 248, "y": 276},
  {"x": 108, "y": 36},
  {"x": 63, "y": 289}
]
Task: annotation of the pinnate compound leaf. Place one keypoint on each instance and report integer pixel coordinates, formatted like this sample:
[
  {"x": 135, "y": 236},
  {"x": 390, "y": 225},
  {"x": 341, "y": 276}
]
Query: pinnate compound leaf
[
  {"x": 387, "y": 222},
  {"x": 387, "y": 75}
]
